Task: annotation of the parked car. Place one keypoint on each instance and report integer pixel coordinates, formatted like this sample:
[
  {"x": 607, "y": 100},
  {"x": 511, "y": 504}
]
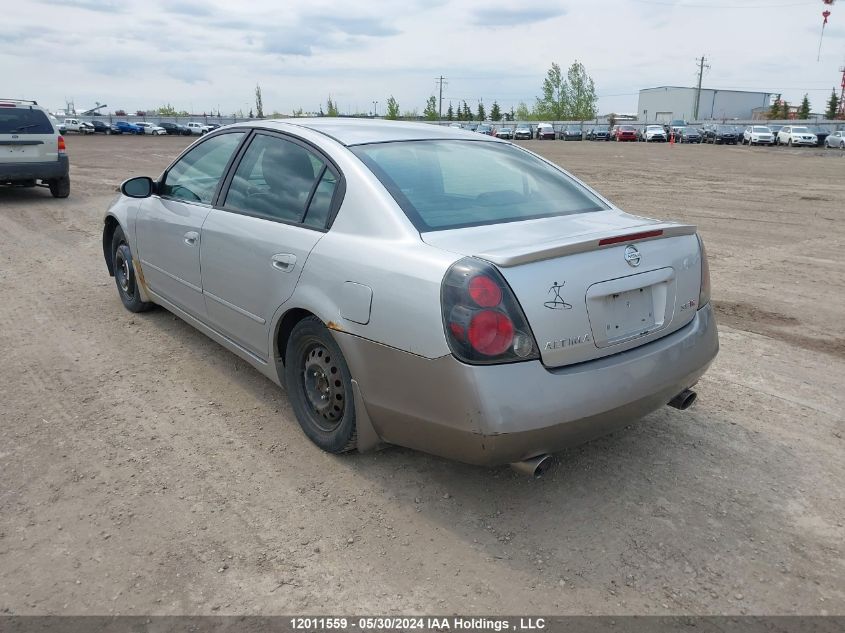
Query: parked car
[
  {"x": 504, "y": 132},
  {"x": 78, "y": 126},
  {"x": 449, "y": 336},
  {"x": 485, "y": 129},
  {"x": 821, "y": 134},
  {"x": 689, "y": 134},
  {"x": 545, "y": 132},
  {"x": 151, "y": 128},
  {"x": 571, "y": 133},
  {"x": 124, "y": 127},
  {"x": 654, "y": 134},
  {"x": 33, "y": 152},
  {"x": 675, "y": 126},
  {"x": 837, "y": 139},
  {"x": 522, "y": 133},
  {"x": 721, "y": 134},
  {"x": 775, "y": 129},
  {"x": 796, "y": 135},
  {"x": 60, "y": 126},
  {"x": 209, "y": 127},
  {"x": 100, "y": 127},
  {"x": 599, "y": 133},
  {"x": 175, "y": 128},
  {"x": 194, "y": 127},
  {"x": 622, "y": 133},
  {"x": 757, "y": 135}
]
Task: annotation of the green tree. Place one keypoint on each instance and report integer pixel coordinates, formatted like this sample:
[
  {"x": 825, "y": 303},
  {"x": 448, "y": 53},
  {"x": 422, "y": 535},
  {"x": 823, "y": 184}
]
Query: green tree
[
  {"x": 450, "y": 113},
  {"x": 512, "y": 114},
  {"x": 804, "y": 110},
  {"x": 167, "y": 110},
  {"x": 392, "y": 109},
  {"x": 832, "y": 106},
  {"x": 522, "y": 112},
  {"x": 259, "y": 104},
  {"x": 297, "y": 113},
  {"x": 331, "y": 108},
  {"x": 580, "y": 93},
  {"x": 784, "y": 110},
  {"x": 250, "y": 114},
  {"x": 482, "y": 113},
  {"x": 467, "y": 112},
  {"x": 430, "y": 111},
  {"x": 495, "y": 112},
  {"x": 552, "y": 104},
  {"x": 411, "y": 114},
  {"x": 776, "y": 109}
]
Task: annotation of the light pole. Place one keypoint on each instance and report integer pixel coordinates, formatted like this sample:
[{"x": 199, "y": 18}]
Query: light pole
[{"x": 375, "y": 109}]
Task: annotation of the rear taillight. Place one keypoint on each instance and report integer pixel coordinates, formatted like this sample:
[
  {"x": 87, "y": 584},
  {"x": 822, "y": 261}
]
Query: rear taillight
[
  {"x": 483, "y": 321},
  {"x": 62, "y": 146},
  {"x": 704, "y": 293}
]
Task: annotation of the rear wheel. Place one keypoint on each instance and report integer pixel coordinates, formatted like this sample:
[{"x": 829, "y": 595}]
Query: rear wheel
[
  {"x": 124, "y": 275},
  {"x": 60, "y": 187},
  {"x": 789, "y": 143},
  {"x": 319, "y": 386}
]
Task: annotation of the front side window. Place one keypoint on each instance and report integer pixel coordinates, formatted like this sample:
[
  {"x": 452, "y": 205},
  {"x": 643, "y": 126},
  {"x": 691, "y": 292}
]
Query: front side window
[
  {"x": 194, "y": 177},
  {"x": 277, "y": 179},
  {"x": 452, "y": 184}
]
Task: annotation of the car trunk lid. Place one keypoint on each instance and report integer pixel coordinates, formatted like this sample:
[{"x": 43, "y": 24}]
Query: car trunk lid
[{"x": 591, "y": 284}]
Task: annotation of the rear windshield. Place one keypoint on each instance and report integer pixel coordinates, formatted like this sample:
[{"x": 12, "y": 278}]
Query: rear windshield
[
  {"x": 24, "y": 121},
  {"x": 453, "y": 184}
]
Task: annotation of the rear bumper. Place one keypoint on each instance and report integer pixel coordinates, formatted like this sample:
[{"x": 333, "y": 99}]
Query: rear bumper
[
  {"x": 16, "y": 172},
  {"x": 506, "y": 413}
]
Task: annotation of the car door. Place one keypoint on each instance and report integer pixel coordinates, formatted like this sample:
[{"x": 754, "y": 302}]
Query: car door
[
  {"x": 275, "y": 208},
  {"x": 168, "y": 224}
]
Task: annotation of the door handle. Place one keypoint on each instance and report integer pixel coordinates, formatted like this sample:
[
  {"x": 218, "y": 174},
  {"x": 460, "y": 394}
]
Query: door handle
[
  {"x": 191, "y": 238},
  {"x": 283, "y": 261}
]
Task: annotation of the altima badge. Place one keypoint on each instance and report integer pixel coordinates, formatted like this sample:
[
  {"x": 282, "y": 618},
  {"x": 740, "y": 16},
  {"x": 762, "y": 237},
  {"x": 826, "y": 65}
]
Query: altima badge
[
  {"x": 557, "y": 303},
  {"x": 632, "y": 256}
]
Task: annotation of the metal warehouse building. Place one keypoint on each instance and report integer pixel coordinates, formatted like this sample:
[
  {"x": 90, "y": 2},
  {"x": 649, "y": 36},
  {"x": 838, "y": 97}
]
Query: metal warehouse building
[{"x": 672, "y": 102}]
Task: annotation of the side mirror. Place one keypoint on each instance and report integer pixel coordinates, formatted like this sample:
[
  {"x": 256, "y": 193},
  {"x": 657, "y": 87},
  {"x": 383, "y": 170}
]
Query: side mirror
[{"x": 141, "y": 187}]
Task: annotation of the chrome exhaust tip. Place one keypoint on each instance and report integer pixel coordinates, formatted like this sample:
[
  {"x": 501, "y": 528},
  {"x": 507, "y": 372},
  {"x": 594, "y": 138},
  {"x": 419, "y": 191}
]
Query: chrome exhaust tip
[
  {"x": 534, "y": 467},
  {"x": 684, "y": 400}
]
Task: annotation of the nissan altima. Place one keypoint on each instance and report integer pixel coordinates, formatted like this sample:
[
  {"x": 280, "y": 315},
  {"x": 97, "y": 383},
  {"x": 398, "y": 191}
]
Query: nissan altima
[{"x": 419, "y": 285}]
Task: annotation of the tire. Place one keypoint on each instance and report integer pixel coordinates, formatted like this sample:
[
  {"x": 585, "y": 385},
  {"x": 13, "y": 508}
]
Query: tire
[
  {"x": 789, "y": 143},
  {"x": 124, "y": 275},
  {"x": 60, "y": 187},
  {"x": 319, "y": 387}
]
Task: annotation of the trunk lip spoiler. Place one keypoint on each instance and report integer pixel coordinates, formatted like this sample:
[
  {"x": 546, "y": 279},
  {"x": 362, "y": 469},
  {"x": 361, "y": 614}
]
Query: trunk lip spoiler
[{"x": 516, "y": 256}]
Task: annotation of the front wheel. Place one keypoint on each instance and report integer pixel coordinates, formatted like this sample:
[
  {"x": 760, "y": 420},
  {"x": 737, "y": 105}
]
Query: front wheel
[
  {"x": 124, "y": 275},
  {"x": 319, "y": 386}
]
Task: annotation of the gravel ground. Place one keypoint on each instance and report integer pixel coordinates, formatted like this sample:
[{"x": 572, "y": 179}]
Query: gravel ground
[{"x": 147, "y": 470}]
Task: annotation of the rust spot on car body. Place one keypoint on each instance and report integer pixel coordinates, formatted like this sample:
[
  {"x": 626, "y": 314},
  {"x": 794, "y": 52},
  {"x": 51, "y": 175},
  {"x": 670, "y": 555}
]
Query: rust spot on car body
[
  {"x": 139, "y": 274},
  {"x": 334, "y": 326}
]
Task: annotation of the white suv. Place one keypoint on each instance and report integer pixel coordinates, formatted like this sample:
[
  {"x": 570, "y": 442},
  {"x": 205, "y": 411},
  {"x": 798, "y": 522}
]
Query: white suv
[
  {"x": 796, "y": 135},
  {"x": 151, "y": 128},
  {"x": 32, "y": 152},
  {"x": 757, "y": 135}
]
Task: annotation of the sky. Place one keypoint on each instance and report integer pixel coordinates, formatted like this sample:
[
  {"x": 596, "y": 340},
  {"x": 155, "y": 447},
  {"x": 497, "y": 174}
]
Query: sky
[{"x": 208, "y": 56}]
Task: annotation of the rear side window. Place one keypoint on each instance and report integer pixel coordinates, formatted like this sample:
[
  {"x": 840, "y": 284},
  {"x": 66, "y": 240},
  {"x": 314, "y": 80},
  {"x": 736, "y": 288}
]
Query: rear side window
[
  {"x": 24, "y": 121},
  {"x": 194, "y": 177},
  {"x": 452, "y": 184},
  {"x": 275, "y": 180}
]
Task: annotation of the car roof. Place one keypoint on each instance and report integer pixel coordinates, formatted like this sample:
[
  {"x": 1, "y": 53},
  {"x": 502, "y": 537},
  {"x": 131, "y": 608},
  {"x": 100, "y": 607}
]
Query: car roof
[{"x": 362, "y": 131}]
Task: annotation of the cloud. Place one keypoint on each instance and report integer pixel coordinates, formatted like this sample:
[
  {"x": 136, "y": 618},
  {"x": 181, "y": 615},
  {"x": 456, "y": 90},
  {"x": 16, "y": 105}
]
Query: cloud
[
  {"x": 494, "y": 17},
  {"x": 101, "y": 6},
  {"x": 186, "y": 7}
]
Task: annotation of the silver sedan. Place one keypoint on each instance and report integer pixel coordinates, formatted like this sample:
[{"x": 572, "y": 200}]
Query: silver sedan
[{"x": 419, "y": 285}]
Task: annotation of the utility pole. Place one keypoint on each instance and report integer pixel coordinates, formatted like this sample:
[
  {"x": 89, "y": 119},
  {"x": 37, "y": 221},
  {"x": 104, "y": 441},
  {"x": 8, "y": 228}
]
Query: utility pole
[
  {"x": 841, "y": 112},
  {"x": 440, "y": 81},
  {"x": 701, "y": 66}
]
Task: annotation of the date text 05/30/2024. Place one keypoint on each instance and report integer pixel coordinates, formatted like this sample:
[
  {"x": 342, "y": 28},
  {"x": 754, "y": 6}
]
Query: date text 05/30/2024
[{"x": 417, "y": 623}]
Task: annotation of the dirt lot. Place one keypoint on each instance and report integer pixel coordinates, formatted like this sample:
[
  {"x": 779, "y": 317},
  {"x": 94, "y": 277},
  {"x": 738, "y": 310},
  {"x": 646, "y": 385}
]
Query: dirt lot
[{"x": 147, "y": 470}]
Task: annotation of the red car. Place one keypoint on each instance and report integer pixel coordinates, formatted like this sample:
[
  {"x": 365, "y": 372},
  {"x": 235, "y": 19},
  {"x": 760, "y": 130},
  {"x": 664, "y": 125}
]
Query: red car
[{"x": 624, "y": 133}]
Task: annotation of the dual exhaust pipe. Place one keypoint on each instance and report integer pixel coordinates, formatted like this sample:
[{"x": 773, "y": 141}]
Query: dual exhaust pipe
[{"x": 537, "y": 466}]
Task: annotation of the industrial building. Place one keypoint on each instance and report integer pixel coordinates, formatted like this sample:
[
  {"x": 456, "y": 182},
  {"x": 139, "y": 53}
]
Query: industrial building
[{"x": 673, "y": 102}]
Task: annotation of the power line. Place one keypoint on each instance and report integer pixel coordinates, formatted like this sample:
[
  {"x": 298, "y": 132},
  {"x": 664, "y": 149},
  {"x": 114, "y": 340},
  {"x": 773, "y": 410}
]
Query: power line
[{"x": 701, "y": 67}]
